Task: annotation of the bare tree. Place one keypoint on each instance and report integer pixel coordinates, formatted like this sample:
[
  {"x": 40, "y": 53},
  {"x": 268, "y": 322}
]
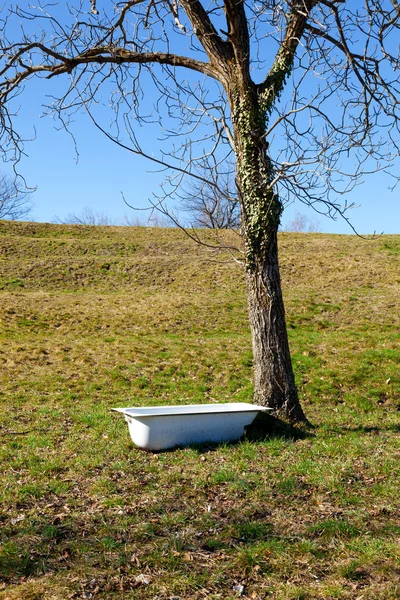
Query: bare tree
[
  {"x": 15, "y": 199},
  {"x": 212, "y": 202},
  {"x": 154, "y": 219},
  {"x": 302, "y": 224},
  {"x": 304, "y": 94},
  {"x": 87, "y": 216}
]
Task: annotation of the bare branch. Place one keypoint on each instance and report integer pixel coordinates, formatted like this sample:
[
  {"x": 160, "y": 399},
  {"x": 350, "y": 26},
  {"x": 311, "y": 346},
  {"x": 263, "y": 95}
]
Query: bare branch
[
  {"x": 205, "y": 31},
  {"x": 15, "y": 199},
  {"x": 238, "y": 33},
  {"x": 272, "y": 86}
]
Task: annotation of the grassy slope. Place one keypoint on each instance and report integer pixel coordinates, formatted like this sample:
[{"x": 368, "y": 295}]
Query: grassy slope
[{"x": 92, "y": 318}]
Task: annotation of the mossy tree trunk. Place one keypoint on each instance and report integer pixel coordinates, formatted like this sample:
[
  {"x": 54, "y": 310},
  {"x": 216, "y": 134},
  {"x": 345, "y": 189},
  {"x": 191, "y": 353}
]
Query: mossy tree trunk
[{"x": 261, "y": 211}]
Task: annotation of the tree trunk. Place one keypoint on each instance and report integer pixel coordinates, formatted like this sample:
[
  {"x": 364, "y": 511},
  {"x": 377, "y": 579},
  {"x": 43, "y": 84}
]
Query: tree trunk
[
  {"x": 261, "y": 210},
  {"x": 273, "y": 374}
]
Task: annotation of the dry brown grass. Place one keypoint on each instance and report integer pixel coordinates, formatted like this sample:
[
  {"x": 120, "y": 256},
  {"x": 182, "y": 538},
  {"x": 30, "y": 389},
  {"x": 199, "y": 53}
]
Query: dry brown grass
[{"x": 96, "y": 317}]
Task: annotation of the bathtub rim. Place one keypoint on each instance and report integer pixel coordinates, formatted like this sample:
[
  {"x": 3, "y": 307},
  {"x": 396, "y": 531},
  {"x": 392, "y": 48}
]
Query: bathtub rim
[{"x": 177, "y": 410}]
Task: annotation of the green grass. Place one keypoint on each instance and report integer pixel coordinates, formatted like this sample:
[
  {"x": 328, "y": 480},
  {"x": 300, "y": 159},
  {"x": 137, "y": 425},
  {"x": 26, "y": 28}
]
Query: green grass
[{"x": 93, "y": 318}]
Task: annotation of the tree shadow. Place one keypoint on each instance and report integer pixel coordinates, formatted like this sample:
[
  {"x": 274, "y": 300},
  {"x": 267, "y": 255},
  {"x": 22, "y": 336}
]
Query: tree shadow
[
  {"x": 372, "y": 429},
  {"x": 266, "y": 427}
]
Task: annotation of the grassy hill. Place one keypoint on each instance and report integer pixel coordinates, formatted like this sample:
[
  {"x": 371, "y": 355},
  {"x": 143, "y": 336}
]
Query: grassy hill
[{"x": 96, "y": 317}]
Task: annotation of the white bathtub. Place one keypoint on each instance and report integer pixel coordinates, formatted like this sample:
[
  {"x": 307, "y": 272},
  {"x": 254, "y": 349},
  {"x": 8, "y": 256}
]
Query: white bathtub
[{"x": 162, "y": 427}]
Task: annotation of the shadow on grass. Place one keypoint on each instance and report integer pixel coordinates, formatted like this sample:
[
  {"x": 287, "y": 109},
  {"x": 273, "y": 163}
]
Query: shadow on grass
[
  {"x": 372, "y": 429},
  {"x": 266, "y": 427}
]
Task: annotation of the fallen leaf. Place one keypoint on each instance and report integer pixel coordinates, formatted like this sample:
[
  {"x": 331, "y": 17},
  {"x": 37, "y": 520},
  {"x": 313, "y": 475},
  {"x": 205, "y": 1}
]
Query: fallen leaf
[
  {"x": 142, "y": 578},
  {"x": 16, "y": 520},
  {"x": 239, "y": 588},
  {"x": 134, "y": 559},
  {"x": 188, "y": 557}
]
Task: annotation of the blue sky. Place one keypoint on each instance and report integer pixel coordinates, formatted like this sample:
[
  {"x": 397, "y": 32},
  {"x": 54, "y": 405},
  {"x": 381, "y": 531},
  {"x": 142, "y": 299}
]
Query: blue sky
[{"x": 104, "y": 172}]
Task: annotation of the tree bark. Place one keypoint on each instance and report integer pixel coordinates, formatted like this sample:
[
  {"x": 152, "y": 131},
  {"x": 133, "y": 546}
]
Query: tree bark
[
  {"x": 273, "y": 373},
  {"x": 261, "y": 210}
]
